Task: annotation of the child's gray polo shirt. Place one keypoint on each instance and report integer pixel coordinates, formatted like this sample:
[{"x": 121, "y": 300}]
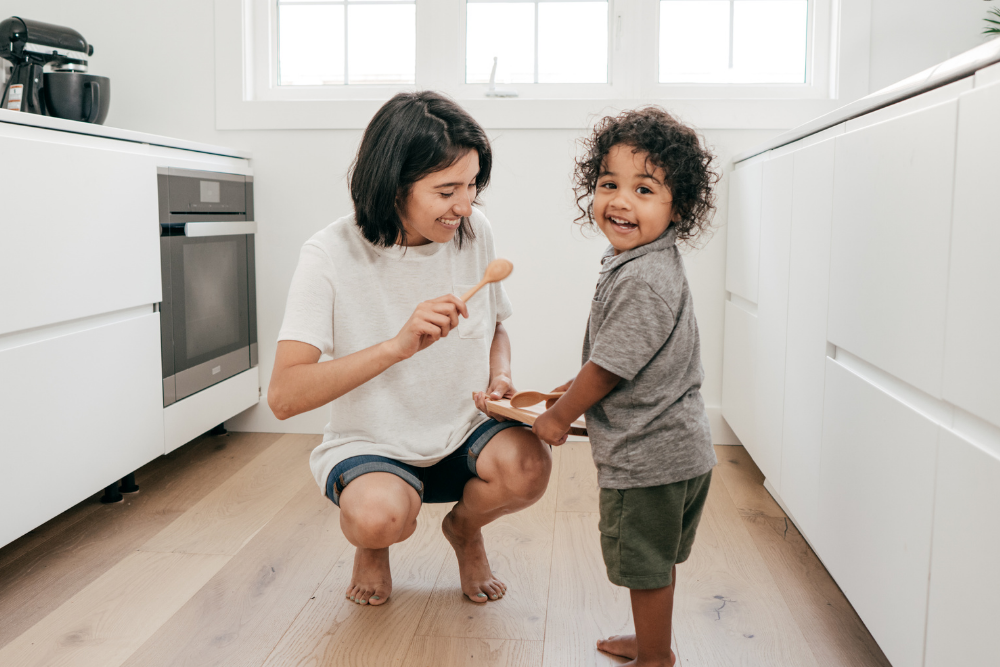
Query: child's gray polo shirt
[{"x": 652, "y": 428}]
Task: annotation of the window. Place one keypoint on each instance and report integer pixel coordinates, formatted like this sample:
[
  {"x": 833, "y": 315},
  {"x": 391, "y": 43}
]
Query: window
[
  {"x": 547, "y": 41},
  {"x": 733, "y": 41},
  {"x": 570, "y": 51},
  {"x": 338, "y": 42}
]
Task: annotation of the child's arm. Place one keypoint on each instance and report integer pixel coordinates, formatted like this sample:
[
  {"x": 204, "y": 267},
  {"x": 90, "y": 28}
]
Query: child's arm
[{"x": 591, "y": 385}]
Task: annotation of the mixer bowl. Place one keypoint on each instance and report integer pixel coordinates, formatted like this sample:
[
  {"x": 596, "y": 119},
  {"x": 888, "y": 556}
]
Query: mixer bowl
[{"x": 77, "y": 96}]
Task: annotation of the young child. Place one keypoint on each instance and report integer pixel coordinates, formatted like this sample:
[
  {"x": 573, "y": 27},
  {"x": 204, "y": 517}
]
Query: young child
[{"x": 647, "y": 184}]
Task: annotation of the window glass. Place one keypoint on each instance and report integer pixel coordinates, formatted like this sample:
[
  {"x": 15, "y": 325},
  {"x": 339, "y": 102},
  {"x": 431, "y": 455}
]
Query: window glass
[
  {"x": 310, "y": 45},
  {"x": 381, "y": 43},
  {"x": 733, "y": 41},
  {"x": 505, "y": 31},
  {"x": 548, "y": 41},
  {"x": 694, "y": 40},
  {"x": 769, "y": 41},
  {"x": 336, "y": 42}
]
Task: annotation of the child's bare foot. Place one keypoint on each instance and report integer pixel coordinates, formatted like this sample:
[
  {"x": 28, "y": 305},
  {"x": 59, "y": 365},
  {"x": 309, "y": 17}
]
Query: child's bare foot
[
  {"x": 623, "y": 645},
  {"x": 627, "y": 647},
  {"x": 478, "y": 582},
  {"x": 371, "y": 582}
]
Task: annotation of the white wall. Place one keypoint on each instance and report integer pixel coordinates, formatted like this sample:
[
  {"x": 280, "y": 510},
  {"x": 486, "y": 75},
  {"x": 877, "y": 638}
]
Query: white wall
[{"x": 908, "y": 36}]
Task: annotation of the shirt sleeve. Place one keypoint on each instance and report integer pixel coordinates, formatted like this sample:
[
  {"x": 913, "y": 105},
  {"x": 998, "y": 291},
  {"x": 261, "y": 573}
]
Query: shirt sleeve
[
  {"x": 636, "y": 323},
  {"x": 309, "y": 310},
  {"x": 498, "y": 293}
]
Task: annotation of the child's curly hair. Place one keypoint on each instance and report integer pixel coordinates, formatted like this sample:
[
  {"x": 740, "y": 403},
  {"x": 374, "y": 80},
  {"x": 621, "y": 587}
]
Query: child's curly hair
[{"x": 672, "y": 146}]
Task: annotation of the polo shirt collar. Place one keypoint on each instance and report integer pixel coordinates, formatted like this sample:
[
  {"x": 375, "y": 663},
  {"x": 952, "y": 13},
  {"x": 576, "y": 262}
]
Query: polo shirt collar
[{"x": 610, "y": 261}]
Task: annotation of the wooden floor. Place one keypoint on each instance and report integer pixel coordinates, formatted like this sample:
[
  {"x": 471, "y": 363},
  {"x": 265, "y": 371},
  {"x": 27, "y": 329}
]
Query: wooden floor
[{"x": 229, "y": 555}]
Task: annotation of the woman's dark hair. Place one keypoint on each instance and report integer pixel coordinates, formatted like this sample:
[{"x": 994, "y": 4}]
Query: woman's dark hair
[
  {"x": 672, "y": 146},
  {"x": 411, "y": 136}
]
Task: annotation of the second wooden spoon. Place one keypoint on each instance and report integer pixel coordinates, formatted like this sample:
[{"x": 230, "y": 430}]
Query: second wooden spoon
[{"x": 523, "y": 399}]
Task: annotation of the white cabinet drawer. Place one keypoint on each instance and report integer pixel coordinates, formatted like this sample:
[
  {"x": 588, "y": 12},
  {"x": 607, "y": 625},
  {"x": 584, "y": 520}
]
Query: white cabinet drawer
[
  {"x": 889, "y": 253},
  {"x": 80, "y": 232},
  {"x": 805, "y": 360},
  {"x": 961, "y": 618},
  {"x": 972, "y": 358},
  {"x": 876, "y": 498},
  {"x": 77, "y": 412},
  {"x": 772, "y": 314},
  {"x": 743, "y": 231},
  {"x": 738, "y": 379}
]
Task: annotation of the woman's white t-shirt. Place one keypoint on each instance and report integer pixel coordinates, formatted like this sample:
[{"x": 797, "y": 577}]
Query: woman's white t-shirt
[{"x": 347, "y": 295}]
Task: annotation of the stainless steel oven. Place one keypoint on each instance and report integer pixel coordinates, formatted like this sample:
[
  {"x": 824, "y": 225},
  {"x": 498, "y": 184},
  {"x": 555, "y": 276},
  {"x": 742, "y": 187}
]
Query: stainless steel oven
[{"x": 208, "y": 316}]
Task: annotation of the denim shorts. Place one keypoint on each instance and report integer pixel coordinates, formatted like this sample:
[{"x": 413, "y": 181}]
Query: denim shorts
[{"x": 442, "y": 482}]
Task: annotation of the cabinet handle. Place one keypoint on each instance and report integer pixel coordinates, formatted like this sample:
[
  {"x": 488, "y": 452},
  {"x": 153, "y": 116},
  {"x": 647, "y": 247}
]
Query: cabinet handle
[{"x": 219, "y": 228}]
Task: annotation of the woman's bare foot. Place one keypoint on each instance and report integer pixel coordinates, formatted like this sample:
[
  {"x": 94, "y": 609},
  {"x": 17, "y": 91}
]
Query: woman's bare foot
[
  {"x": 371, "y": 582},
  {"x": 478, "y": 582}
]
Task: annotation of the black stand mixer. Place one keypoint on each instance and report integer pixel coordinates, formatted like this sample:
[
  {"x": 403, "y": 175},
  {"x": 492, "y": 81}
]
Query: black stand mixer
[{"x": 67, "y": 91}]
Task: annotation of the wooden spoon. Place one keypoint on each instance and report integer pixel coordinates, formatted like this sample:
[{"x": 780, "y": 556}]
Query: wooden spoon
[
  {"x": 523, "y": 399},
  {"x": 496, "y": 271}
]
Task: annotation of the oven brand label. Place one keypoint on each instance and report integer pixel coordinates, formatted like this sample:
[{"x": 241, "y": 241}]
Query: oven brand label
[{"x": 216, "y": 370}]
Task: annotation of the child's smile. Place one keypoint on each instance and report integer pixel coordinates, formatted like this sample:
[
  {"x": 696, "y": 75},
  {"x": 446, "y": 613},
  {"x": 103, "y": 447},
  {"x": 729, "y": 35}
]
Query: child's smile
[{"x": 633, "y": 205}]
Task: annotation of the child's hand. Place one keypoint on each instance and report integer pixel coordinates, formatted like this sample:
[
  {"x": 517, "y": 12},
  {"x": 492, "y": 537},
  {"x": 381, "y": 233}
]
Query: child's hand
[{"x": 549, "y": 429}]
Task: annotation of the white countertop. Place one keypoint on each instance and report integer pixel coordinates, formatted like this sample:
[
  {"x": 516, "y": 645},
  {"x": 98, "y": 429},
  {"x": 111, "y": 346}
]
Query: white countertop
[
  {"x": 62, "y": 125},
  {"x": 953, "y": 69}
]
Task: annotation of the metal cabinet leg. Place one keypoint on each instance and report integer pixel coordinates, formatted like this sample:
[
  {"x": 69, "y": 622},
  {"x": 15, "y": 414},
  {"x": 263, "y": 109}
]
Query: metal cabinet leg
[
  {"x": 128, "y": 484},
  {"x": 111, "y": 494},
  {"x": 219, "y": 430}
]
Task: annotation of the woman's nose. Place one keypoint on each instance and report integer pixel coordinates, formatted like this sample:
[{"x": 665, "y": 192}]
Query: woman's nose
[{"x": 463, "y": 206}]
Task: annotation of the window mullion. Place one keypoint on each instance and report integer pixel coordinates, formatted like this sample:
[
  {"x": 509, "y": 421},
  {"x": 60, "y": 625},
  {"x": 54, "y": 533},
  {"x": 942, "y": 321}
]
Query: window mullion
[
  {"x": 732, "y": 28},
  {"x": 346, "y": 50},
  {"x": 536, "y": 42}
]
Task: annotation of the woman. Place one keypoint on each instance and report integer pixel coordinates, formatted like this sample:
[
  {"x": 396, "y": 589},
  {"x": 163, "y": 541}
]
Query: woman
[{"x": 376, "y": 292}]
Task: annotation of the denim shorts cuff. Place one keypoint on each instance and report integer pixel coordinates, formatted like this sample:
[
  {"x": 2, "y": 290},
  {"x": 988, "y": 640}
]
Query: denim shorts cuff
[
  {"x": 482, "y": 436},
  {"x": 365, "y": 468}
]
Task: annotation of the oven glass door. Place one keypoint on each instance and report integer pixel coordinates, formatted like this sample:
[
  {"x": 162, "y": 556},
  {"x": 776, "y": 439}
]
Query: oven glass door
[{"x": 209, "y": 310}]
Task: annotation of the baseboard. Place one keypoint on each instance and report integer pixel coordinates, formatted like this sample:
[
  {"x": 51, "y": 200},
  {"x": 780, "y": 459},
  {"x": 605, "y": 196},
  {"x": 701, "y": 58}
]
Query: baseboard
[{"x": 722, "y": 434}]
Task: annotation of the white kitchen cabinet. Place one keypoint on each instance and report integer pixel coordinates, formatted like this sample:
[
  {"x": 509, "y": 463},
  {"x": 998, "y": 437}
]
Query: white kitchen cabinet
[
  {"x": 738, "y": 381},
  {"x": 889, "y": 249},
  {"x": 772, "y": 316},
  {"x": 972, "y": 354},
  {"x": 876, "y": 498},
  {"x": 186, "y": 420},
  {"x": 86, "y": 409},
  {"x": 965, "y": 581},
  {"x": 806, "y": 347},
  {"x": 81, "y": 232},
  {"x": 743, "y": 230}
]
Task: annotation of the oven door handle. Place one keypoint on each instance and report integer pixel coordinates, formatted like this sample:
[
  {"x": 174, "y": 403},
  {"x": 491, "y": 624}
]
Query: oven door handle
[{"x": 219, "y": 228}]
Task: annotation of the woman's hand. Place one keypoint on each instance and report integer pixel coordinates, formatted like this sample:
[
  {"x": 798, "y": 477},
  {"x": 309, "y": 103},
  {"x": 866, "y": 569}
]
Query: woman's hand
[
  {"x": 550, "y": 429},
  {"x": 501, "y": 386},
  {"x": 429, "y": 323}
]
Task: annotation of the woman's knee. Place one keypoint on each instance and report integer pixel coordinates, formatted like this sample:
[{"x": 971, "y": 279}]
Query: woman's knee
[
  {"x": 525, "y": 469},
  {"x": 375, "y": 515}
]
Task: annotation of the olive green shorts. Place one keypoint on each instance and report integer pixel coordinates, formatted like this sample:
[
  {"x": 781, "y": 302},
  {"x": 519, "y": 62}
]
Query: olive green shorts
[{"x": 646, "y": 531}]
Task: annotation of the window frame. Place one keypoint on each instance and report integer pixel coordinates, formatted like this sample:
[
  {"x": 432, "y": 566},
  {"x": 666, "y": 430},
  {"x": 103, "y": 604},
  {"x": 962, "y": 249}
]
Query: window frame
[
  {"x": 632, "y": 67},
  {"x": 241, "y": 105}
]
